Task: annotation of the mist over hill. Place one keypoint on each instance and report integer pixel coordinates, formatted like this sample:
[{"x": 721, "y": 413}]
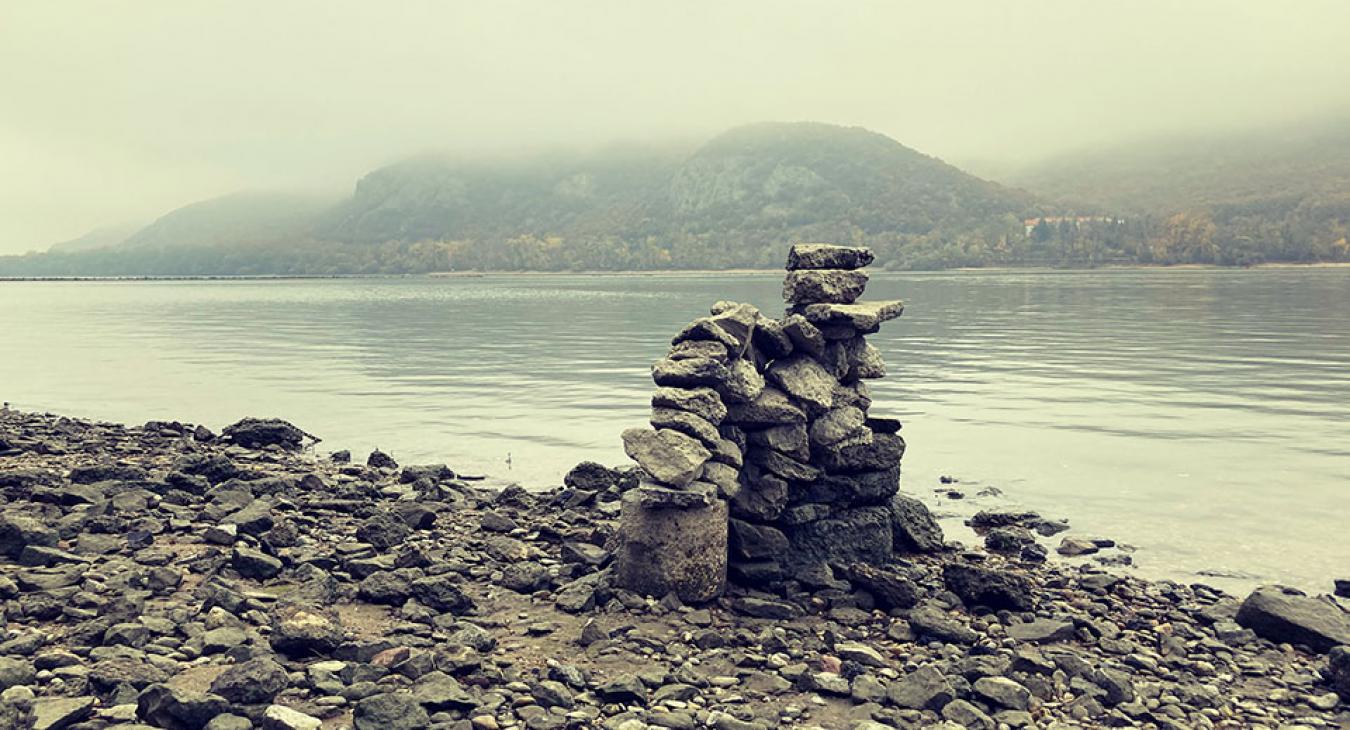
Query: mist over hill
[{"x": 740, "y": 198}]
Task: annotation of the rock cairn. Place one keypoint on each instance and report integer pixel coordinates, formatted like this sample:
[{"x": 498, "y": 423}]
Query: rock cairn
[{"x": 765, "y": 422}]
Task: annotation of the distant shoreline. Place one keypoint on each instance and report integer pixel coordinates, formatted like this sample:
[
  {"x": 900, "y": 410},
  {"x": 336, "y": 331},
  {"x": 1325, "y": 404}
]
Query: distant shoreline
[{"x": 672, "y": 272}]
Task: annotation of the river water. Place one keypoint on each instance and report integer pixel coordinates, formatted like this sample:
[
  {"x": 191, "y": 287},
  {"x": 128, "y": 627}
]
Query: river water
[{"x": 1200, "y": 416}]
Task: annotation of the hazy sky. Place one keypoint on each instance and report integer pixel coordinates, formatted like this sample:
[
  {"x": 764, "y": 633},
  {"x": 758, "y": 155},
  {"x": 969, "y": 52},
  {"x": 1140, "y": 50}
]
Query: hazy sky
[{"x": 118, "y": 111}]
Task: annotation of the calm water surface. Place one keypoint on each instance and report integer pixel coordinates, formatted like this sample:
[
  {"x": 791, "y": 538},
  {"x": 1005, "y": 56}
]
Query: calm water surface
[{"x": 1201, "y": 416}]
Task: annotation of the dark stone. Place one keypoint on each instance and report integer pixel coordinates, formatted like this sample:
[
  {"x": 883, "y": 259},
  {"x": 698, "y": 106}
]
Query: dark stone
[
  {"x": 1338, "y": 671},
  {"x": 383, "y": 530},
  {"x": 594, "y": 477},
  {"x": 889, "y": 588},
  {"x": 442, "y": 593},
  {"x": 107, "y": 471},
  {"x": 252, "y": 682},
  {"x": 257, "y": 433},
  {"x": 1286, "y": 615},
  {"x": 380, "y": 460},
  {"x": 924, "y": 689},
  {"x": 20, "y": 530},
  {"x": 862, "y": 488},
  {"x": 255, "y": 564},
  {"x": 883, "y": 452},
  {"x": 175, "y": 709},
  {"x": 751, "y": 542},
  {"x": 980, "y": 586},
  {"x": 624, "y": 689},
  {"x": 390, "y": 712},
  {"x": 932, "y": 622},
  {"x": 859, "y": 535},
  {"x": 913, "y": 527}
]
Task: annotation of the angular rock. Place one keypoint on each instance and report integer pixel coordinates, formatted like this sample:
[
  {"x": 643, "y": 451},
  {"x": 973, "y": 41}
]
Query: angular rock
[
  {"x": 20, "y": 530},
  {"x": 888, "y": 587},
  {"x": 687, "y": 424},
  {"x": 884, "y": 451},
  {"x": 1285, "y": 615},
  {"x": 280, "y": 717},
  {"x": 923, "y": 689},
  {"x": 805, "y": 380},
  {"x": 750, "y": 541},
  {"x": 1003, "y": 692},
  {"x": 913, "y": 526},
  {"x": 693, "y": 372},
  {"x": 57, "y": 713},
  {"x": 859, "y": 317},
  {"x": 977, "y": 585},
  {"x": 770, "y": 408},
  {"x": 303, "y": 631},
  {"x": 257, "y": 433},
  {"x": 252, "y": 682},
  {"x": 836, "y": 425},
  {"x": 827, "y": 256},
  {"x": 810, "y": 286},
  {"x": 669, "y": 456},
  {"x": 702, "y": 402},
  {"x": 1042, "y": 631},
  {"x": 790, "y": 439},
  {"x": 743, "y": 383},
  {"x": 860, "y": 535},
  {"x": 390, "y": 711},
  {"x": 177, "y": 709},
  {"x": 442, "y": 593}
]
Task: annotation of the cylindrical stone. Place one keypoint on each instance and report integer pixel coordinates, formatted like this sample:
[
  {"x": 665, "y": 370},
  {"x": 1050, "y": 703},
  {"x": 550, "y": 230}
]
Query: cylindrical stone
[{"x": 680, "y": 551}]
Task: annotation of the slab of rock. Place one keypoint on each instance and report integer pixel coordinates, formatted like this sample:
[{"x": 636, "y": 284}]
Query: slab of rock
[
  {"x": 702, "y": 402},
  {"x": 827, "y": 256},
  {"x": 56, "y": 713},
  {"x": 835, "y": 286},
  {"x": 669, "y": 456},
  {"x": 1042, "y": 631},
  {"x": 1287, "y": 616},
  {"x": 743, "y": 383},
  {"x": 692, "y": 372},
  {"x": 687, "y": 424},
  {"x": 177, "y": 709},
  {"x": 770, "y": 408},
  {"x": 861, "y": 316},
  {"x": 926, "y": 688},
  {"x": 1338, "y": 671},
  {"x": 20, "y": 530},
  {"x": 680, "y": 551},
  {"x": 805, "y": 380},
  {"x": 281, "y": 717}
]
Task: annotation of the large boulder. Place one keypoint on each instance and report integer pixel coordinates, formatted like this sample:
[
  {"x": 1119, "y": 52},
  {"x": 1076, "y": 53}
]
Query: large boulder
[
  {"x": 1287, "y": 615},
  {"x": 681, "y": 551},
  {"x": 913, "y": 526},
  {"x": 252, "y": 682},
  {"x": 669, "y": 456},
  {"x": 178, "y": 709},
  {"x": 300, "y": 630},
  {"x": 18, "y": 531},
  {"x": 977, "y": 585}
]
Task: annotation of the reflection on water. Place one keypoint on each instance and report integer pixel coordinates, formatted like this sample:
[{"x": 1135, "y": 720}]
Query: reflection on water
[{"x": 1201, "y": 415}]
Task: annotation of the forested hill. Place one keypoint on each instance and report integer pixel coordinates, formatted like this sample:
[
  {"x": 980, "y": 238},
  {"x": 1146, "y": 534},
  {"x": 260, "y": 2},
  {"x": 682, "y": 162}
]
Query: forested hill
[
  {"x": 736, "y": 201},
  {"x": 740, "y": 198},
  {"x": 1278, "y": 194}
]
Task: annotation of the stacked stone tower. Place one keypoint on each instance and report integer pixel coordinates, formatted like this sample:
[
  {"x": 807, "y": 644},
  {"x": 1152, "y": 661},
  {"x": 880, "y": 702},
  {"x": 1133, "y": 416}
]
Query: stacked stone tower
[{"x": 762, "y": 459}]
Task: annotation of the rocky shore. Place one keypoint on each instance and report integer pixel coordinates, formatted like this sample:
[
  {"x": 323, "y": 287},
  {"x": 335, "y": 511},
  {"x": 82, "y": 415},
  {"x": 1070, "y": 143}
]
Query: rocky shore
[{"x": 165, "y": 576}]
